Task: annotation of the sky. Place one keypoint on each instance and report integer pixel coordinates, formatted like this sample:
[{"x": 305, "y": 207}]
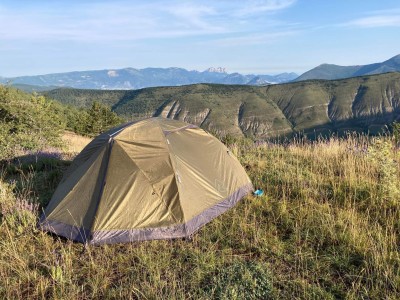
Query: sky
[{"x": 245, "y": 36}]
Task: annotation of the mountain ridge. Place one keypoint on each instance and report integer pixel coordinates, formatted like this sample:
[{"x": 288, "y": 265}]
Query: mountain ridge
[
  {"x": 131, "y": 78},
  {"x": 332, "y": 71}
]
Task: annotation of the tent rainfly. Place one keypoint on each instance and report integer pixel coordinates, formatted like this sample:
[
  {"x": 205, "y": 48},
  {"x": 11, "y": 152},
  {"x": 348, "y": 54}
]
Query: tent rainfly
[{"x": 153, "y": 179}]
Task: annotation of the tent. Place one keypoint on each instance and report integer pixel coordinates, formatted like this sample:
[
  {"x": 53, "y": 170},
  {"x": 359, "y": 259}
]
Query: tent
[{"x": 153, "y": 179}]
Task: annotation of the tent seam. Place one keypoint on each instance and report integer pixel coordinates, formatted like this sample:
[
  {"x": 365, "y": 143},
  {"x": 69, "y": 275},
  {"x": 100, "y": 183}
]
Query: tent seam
[
  {"x": 103, "y": 182},
  {"x": 173, "y": 165},
  {"x": 121, "y": 129}
]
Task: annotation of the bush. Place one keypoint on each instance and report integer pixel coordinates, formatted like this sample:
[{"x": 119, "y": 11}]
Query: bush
[{"x": 27, "y": 122}]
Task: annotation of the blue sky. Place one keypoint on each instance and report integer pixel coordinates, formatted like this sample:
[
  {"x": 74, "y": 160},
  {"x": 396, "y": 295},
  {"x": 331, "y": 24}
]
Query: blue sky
[{"x": 246, "y": 36}]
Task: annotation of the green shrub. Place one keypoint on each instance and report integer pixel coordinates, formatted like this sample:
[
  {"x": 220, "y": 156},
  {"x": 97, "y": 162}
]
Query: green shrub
[
  {"x": 240, "y": 280},
  {"x": 27, "y": 122}
]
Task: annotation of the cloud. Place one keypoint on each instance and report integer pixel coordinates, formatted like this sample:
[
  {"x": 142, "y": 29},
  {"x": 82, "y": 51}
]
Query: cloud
[
  {"x": 193, "y": 16},
  {"x": 107, "y": 21},
  {"x": 377, "y": 21},
  {"x": 254, "y": 39},
  {"x": 104, "y": 21},
  {"x": 251, "y": 7},
  {"x": 385, "y": 19}
]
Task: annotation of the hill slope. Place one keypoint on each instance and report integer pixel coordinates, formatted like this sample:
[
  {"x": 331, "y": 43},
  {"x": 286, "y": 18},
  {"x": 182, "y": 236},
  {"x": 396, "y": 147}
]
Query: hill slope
[
  {"x": 318, "y": 106},
  {"x": 330, "y": 71},
  {"x": 130, "y": 78}
]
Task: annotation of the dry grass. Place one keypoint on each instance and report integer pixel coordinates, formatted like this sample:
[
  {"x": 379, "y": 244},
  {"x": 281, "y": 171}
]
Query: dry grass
[
  {"x": 74, "y": 143},
  {"x": 327, "y": 227}
]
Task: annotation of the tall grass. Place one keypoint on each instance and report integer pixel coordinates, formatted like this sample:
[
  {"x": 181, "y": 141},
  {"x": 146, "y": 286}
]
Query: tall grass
[
  {"x": 327, "y": 227},
  {"x": 74, "y": 143}
]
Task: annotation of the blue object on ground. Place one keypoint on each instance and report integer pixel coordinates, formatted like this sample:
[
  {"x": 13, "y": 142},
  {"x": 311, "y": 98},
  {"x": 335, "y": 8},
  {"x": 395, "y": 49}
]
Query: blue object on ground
[{"x": 258, "y": 192}]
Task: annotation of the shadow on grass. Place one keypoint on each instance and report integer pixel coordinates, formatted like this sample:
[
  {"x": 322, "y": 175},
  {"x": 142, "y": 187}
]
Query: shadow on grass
[{"x": 35, "y": 176}]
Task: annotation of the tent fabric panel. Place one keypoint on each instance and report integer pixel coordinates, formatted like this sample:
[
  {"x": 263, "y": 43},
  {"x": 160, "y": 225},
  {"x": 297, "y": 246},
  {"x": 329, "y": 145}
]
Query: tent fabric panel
[
  {"x": 147, "y": 131},
  {"x": 206, "y": 170},
  {"x": 75, "y": 201},
  {"x": 129, "y": 199},
  {"x": 92, "y": 148},
  {"x": 147, "y": 147},
  {"x": 170, "y": 232},
  {"x": 156, "y": 166},
  {"x": 152, "y": 160}
]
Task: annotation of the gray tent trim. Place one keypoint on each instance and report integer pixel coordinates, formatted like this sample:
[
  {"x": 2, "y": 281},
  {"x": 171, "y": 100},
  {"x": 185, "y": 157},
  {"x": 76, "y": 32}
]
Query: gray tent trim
[
  {"x": 74, "y": 233},
  {"x": 131, "y": 235}
]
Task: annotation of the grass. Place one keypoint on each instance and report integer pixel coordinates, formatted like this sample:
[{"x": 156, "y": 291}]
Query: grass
[
  {"x": 74, "y": 143},
  {"x": 327, "y": 227}
]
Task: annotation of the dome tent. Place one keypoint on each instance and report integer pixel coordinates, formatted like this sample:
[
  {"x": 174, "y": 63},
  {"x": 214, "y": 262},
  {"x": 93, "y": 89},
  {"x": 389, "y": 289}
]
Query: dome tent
[{"x": 153, "y": 179}]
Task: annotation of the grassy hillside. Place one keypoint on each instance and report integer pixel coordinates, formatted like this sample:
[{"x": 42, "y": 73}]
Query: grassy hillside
[
  {"x": 362, "y": 103},
  {"x": 327, "y": 227},
  {"x": 85, "y": 98}
]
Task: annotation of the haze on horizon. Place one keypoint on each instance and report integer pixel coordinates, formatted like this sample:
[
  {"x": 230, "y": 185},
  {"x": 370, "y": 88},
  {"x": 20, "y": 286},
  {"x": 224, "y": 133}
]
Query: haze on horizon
[{"x": 247, "y": 36}]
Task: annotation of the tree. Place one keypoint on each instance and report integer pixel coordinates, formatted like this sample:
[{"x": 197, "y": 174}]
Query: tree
[{"x": 101, "y": 118}]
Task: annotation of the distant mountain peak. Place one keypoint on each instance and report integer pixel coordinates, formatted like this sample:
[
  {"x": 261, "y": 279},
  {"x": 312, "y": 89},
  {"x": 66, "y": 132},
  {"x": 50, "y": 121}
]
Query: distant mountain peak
[
  {"x": 217, "y": 70},
  {"x": 112, "y": 73},
  {"x": 394, "y": 60},
  {"x": 396, "y": 57}
]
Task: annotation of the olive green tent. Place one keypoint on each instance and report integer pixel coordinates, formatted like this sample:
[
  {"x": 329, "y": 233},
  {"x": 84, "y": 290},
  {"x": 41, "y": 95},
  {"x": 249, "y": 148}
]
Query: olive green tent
[{"x": 153, "y": 179}]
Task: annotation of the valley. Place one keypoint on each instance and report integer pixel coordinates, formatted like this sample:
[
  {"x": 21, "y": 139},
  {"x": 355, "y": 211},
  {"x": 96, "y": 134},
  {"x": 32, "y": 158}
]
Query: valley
[{"x": 362, "y": 104}]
